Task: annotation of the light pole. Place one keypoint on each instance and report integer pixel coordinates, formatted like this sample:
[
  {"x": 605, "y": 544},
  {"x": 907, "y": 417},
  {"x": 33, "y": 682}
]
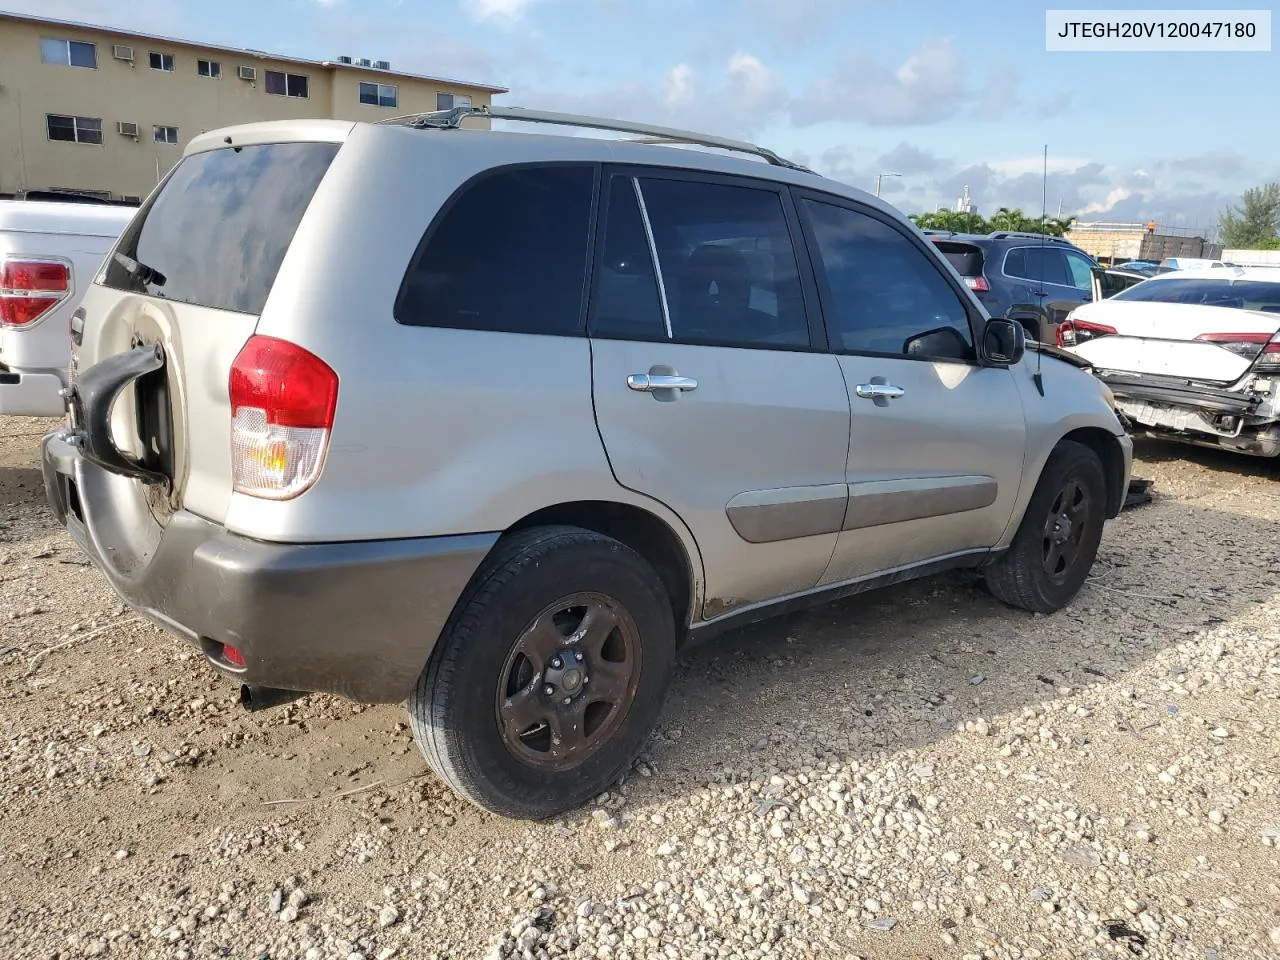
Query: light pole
[{"x": 880, "y": 176}]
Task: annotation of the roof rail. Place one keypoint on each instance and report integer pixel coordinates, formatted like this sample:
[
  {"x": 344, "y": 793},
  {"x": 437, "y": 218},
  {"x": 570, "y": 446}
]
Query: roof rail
[
  {"x": 452, "y": 120},
  {"x": 1027, "y": 234}
]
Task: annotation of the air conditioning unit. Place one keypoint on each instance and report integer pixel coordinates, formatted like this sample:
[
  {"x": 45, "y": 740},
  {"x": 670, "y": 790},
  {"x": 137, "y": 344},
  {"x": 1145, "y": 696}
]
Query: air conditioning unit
[
  {"x": 127, "y": 129},
  {"x": 247, "y": 73},
  {"x": 365, "y": 62},
  {"x": 382, "y": 64},
  {"x": 346, "y": 60},
  {"x": 121, "y": 52}
]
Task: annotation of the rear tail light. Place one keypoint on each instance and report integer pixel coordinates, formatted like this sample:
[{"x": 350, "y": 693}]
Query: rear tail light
[
  {"x": 283, "y": 400},
  {"x": 1268, "y": 360},
  {"x": 31, "y": 288},
  {"x": 1247, "y": 345},
  {"x": 978, "y": 284},
  {"x": 1072, "y": 333}
]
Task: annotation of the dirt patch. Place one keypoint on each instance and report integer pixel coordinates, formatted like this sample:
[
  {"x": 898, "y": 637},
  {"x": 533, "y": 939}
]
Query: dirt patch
[{"x": 916, "y": 773}]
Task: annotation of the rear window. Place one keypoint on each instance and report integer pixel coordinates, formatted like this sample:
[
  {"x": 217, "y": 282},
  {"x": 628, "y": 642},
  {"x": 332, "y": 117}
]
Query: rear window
[
  {"x": 216, "y": 233},
  {"x": 1260, "y": 295},
  {"x": 965, "y": 257}
]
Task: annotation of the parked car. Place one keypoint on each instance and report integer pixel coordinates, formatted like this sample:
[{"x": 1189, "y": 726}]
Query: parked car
[
  {"x": 1191, "y": 356},
  {"x": 499, "y": 441},
  {"x": 1169, "y": 264},
  {"x": 1147, "y": 268},
  {"x": 49, "y": 253},
  {"x": 1033, "y": 279}
]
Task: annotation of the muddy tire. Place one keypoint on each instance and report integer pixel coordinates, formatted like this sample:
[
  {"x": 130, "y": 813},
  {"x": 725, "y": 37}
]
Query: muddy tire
[
  {"x": 1057, "y": 541},
  {"x": 549, "y": 676}
]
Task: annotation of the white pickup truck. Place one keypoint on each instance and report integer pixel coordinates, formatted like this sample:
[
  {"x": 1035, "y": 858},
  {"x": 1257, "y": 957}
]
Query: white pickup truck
[{"x": 49, "y": 254}]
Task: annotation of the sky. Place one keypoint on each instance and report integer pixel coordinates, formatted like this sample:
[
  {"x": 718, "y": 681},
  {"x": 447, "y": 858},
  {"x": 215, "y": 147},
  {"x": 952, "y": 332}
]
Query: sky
[{"x": 943, "y": 93}]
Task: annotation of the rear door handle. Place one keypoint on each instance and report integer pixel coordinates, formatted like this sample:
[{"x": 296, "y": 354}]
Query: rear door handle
[
  {"x": 649, "y": 382},
  {"x": 878, "y": 391}
]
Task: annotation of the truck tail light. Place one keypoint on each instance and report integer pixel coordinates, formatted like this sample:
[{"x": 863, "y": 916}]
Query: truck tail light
[
  {"x": 1247, "y": 345},
  {"x": 1072, "y": 333},
  {"x": 30, "y": 289},
  {"x": 977, "y": 284},
  {"x": 283, "y": 400}
]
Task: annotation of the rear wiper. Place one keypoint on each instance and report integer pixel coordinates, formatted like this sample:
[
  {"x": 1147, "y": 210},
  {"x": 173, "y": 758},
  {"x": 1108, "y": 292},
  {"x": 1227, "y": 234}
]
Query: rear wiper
[{"x": 147, "y": 276}]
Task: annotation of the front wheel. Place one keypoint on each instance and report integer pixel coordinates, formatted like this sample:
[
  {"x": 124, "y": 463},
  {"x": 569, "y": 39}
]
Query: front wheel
[
  {"x": 1057, "y": 541},
  {"x": 550, "y": 675}
]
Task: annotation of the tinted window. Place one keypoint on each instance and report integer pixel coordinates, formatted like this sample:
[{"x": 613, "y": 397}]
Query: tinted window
[
  {"x": 1038, "y": 263},
  {"x": 884, "y": 291},
  {"x": 1242, "y": 294},
  {"x": 626, "y": 302},
  {"x": 966, "y": 258},
  {"x": 1081, "y": 270},
  {"x": 510, "y": 253},
  {"x": 218, "y": 230},
  {"x": 728, "y": 266}
]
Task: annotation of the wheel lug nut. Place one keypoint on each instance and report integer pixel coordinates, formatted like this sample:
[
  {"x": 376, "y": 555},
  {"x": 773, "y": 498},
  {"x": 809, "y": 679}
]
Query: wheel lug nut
[
  {"x": 568, "y": 700},
  {"x": 555, "y": 663},
  {"x": 549, "y": 691},
  {"x": 577, "y": 655},
  {"x": 584, "y": 680}
]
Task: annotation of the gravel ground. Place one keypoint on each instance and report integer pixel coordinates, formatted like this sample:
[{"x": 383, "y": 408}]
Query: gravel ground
[{"x": 920, "y": 773}]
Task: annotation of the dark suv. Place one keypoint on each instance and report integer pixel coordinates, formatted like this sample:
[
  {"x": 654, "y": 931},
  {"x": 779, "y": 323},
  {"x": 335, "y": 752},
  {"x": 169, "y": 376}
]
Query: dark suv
[{"x": 1036, "y": 280}]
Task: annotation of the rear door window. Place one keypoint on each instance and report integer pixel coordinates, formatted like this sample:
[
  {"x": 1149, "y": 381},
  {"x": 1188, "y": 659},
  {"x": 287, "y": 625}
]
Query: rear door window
[
  {"x": 1042, "y": 264},
  {"x": 508, "y": 254},
  {"x": 216, "y": 233},
  {"x": 727, "y": 263}
]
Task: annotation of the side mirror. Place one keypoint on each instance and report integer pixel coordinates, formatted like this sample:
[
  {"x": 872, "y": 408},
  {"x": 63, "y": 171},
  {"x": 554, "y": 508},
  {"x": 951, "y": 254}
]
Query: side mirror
[
  {"x": 1004, "y": 342},
  {"x": 943, "y": 343}
]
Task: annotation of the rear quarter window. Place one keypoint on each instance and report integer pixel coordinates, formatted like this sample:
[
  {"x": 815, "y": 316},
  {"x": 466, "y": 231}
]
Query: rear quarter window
[
  {"x": 508, "y": 253},
  {"x": 218, "y": 230}
]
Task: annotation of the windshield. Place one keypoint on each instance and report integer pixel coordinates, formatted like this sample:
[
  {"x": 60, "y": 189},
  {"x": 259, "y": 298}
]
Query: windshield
[
  {"x": 216, "y": 233},
  {"x": 1263, "y": 295}
]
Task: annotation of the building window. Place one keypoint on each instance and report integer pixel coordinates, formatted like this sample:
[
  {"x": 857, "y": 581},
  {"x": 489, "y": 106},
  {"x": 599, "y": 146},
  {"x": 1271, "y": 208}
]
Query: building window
[
  {"x": 166, "y": 134},
  {"x": 379, "y": 94},
  {"x": 69, "y": 53},
  {"x": 209, "y": 68},
  {"x": 447, "y": 101},
  {"x": 286, "y": 84},
  {"x": 162, "y": 61},
  {"x": 74, "y": 129}
]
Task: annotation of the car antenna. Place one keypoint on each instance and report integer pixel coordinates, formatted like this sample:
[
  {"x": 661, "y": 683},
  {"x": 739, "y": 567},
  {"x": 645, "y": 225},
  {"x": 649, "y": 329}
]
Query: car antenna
[{"x": 1038, "y": 377}]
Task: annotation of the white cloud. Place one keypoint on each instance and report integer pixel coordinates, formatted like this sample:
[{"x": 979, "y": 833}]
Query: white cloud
[
  {"x": 1019, "y": 166},
  {"x": 743, "y": 96},
  {"x": 928, "y": 87},
  {"x": 498, "y": 9},
  {"x": 1113, "y": 197},
  {"x": 678, "y": 86}
]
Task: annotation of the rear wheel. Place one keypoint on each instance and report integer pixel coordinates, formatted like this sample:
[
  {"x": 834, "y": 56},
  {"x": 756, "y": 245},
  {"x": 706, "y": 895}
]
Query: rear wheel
[
  {"x": 1057, "y": 541},
  {"x": 549, "y": 676}
]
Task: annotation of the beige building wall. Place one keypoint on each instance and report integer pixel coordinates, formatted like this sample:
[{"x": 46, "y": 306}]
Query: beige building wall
[{"x": 119, "y": 91}]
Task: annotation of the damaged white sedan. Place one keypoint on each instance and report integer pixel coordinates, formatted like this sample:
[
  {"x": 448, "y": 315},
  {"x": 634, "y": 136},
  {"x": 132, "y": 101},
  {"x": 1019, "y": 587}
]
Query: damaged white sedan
[{"x": 1192, "y": 356}]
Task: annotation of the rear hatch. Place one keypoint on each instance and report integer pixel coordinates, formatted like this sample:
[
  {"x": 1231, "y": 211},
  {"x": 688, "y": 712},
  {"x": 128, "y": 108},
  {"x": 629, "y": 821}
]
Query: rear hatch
[
  {"x": 187, "y": 282},
  {"x": 1202, "y": 344},
  {"x": 968, "y": 261}
]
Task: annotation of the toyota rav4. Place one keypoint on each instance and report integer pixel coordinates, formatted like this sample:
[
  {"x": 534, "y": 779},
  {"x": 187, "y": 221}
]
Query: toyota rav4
[{"x": 495, "y": 423}]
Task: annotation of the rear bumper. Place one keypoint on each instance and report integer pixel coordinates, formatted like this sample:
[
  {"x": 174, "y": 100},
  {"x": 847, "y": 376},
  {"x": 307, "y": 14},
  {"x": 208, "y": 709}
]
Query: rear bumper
[
  {"x": 30, "y": 394},
  {"x": 1179, "y": 393},
  {"x": 357, "y": 619}
]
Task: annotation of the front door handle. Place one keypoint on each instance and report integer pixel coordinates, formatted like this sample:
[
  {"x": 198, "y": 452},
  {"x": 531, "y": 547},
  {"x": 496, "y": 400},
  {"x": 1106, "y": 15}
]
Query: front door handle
[
  {"x": 878, "y": 391},
  {"x": 649, "y": 382}
]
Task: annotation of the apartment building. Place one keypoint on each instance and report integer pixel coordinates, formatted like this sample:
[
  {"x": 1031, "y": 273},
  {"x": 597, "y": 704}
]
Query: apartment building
[{"x": 108, "y": 112}]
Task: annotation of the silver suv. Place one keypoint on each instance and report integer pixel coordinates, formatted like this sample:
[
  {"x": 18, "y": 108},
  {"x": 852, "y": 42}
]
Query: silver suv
[{"x": 496, "y": 423}]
